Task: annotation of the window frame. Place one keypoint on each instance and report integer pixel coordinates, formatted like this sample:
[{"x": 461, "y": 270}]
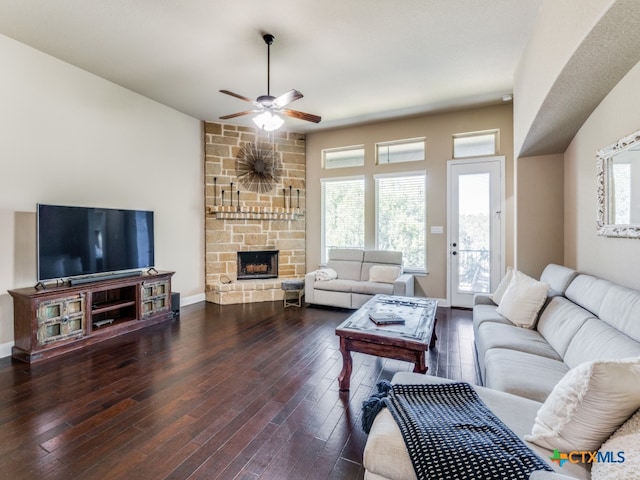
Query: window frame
[
  {"x": 404, "y": 141},
  {"x": 415, "y": 269},
  {"x": 323, "y": 182},
  {"x": 349, "y": 148},
  {"x": 496, "y": 143}
]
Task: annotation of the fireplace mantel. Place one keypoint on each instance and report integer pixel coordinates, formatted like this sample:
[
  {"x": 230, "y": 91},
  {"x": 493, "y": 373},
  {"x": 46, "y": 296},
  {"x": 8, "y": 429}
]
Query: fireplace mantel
[{"x": 229, "y": 212}]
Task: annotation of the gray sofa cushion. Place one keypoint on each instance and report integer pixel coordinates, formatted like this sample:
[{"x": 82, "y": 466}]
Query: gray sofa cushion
[
  {"x": 337, "y": 285},
  {"x": 597, "y": 340},
  {"x": 496, "y": 335},
  {"x": 588, "y": 292},
  {"x": 621, "y": 309},
  {"x": 558, "y": 277},
  {"x": 347, "y": 262},
  {"x": 521, "y": 373},
  {"x": 372, "y": 288},
  {"x": 346, "y": 269},
  {"x": 379, "y": 257},
  {"x": 560, "y": 321},
  {"x": 382, "y": 256},
  {"x": 486, "y": 313}
]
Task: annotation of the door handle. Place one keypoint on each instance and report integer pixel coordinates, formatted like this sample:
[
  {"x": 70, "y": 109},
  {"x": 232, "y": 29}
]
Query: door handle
[{"x": 454, "y": 253}]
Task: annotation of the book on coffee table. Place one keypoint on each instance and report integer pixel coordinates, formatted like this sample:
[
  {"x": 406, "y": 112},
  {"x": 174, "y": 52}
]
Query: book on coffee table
[{"x": 386, "y": 318}]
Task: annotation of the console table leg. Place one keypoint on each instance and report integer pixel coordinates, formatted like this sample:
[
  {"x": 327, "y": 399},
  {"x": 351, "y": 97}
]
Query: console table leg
[{"x": 344, "y": 379}]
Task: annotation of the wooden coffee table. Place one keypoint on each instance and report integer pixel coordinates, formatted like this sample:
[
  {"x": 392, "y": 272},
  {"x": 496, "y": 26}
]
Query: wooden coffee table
[{"x": 408, "y": 342}]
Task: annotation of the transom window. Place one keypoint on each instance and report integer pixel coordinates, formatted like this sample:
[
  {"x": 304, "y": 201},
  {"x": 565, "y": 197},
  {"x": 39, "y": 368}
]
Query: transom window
[
  {"x": 475, "y": 144},
  {"x": 343, "y": 157},
  {"x": 411, "y": 150}
]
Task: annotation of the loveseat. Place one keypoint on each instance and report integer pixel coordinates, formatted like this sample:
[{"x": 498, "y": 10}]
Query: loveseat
[
  {"x": 353, "y": 276},
  {"x": 565, "y": 383}
]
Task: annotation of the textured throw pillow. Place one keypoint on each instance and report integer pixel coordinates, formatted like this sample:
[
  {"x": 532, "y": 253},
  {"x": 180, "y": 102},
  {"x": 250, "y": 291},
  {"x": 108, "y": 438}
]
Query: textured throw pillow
[
  {"x": 502, "y": 286},
  {"x": 326, "y": 274},
  {"x": 626, "y": 439},
  {"x": 522, "y": 300},
  {"x": 590, "y": 402},
  {"x": 384, "y": 273}
]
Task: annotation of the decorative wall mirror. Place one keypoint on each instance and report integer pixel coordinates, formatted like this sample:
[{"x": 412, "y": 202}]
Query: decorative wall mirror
[{"x": 618, "y": 177}]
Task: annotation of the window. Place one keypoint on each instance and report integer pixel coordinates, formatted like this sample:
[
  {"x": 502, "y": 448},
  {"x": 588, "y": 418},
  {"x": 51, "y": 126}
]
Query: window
[
  {"x": 342, "y": 214},
  {"x": 475, "y": 144},
  {"x": 411, "y": 150},
  {"x": 343, "y": 157},
  {"x": 401, "y": 214}
]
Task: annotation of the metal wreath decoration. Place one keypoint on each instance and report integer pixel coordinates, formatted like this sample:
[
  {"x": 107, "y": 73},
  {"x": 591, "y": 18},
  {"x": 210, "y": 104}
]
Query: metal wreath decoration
[{"x": 258, "y": 167}]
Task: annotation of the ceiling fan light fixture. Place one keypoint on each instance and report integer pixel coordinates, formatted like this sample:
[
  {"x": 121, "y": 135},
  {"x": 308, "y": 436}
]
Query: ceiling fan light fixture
[{"x": 268, "y": 121}]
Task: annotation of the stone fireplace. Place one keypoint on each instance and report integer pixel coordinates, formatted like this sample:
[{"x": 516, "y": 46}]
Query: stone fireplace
[
  {"x": 257, "y": 264},
  {"x": 244, "y": 221}
]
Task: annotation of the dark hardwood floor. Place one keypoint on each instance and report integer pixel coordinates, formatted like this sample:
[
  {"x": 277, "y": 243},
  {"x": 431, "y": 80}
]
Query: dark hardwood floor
[{"x": 229, "y": 392}]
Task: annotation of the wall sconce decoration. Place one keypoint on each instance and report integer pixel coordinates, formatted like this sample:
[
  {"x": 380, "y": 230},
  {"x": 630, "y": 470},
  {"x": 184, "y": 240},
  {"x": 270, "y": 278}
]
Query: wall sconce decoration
[{"x": 258, "y": 168}]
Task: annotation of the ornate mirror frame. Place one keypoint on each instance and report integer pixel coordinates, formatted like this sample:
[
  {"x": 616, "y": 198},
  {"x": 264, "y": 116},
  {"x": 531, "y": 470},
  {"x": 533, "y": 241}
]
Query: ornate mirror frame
[{"x": 604, "y": 159}]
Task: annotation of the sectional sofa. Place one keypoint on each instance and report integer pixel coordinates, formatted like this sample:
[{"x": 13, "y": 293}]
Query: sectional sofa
[
  {"x": 353, "y": 276},
  {"x": 586, "y": 327}
]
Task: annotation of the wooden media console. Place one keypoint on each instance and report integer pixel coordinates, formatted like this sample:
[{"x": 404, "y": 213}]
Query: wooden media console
[{"x": 55, "y": 320}]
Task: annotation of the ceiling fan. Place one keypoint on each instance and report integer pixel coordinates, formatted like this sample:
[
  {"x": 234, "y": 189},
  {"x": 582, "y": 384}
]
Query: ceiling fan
[{"x": 267, "y": 106}]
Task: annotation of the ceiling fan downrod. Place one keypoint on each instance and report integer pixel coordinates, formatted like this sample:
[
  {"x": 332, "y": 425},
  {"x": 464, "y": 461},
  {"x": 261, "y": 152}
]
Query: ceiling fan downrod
[{"x": 268, "y": 39}]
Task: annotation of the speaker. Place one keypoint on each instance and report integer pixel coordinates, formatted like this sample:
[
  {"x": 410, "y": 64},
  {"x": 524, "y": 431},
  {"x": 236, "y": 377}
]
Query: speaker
[{"x": 175, "y": 303}]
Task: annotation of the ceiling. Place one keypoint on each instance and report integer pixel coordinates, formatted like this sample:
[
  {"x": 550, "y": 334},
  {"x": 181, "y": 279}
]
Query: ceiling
[{"x": 355, "y": 61}]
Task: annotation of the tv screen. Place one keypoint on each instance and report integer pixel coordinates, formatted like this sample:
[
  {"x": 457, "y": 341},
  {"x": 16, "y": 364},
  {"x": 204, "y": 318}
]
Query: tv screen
[{"x": 75, "y": 241}]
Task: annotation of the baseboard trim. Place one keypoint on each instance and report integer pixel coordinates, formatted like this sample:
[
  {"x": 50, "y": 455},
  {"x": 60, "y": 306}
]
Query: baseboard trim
[
  {"x": 5, "y": 349},
  {"x": 184, "y": 301}
]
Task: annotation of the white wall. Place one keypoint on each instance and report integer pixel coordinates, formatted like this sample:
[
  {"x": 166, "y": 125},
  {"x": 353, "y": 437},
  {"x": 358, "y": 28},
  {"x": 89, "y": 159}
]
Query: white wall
[
  {"x": 616, "y": 259},
  {"x": 69, "y": 137}
]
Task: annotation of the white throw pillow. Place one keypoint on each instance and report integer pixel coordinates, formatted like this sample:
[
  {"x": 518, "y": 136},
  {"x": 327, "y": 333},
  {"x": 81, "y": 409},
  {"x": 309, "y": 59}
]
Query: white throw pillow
[
  {"x": 326, "y": 274},
  {"x": 522, "y": 300},
  {"x": 502, "y": 286},
  {"x": 384, "y": 273},
  {"x": 590, "y": 402},
  {"x": 627, "y": 440}
]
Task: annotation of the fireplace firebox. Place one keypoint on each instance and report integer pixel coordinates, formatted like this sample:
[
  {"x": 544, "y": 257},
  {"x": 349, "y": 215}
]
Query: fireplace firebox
[{"x": 257, "y": 264}]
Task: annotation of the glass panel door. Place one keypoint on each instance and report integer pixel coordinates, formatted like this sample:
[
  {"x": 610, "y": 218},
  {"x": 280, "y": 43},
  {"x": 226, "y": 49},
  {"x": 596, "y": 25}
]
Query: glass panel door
[{"x": 475, "y": 228}]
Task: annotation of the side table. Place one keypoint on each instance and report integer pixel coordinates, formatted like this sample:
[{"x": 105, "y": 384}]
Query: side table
[{"x": 293, "y": 291}]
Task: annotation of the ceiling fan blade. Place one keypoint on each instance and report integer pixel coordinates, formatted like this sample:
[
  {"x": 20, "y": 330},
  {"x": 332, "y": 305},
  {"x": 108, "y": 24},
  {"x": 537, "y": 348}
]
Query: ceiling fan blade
[
  {"x": 301, "y": 115},
  {"x": 234, "y": 115},
  {"x": 241, "y": 97},
  {"x": 287, "y": 98}
]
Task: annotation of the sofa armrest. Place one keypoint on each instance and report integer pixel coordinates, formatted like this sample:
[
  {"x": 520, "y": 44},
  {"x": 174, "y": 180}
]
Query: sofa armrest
[
  {"x": 483, "y": 299},
  {"x": 403, "y": 285},
  {"x": 309, "y": 280}
]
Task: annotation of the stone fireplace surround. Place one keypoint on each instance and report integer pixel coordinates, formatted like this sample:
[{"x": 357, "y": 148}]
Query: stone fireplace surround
[{"x": 262, "y": 221}]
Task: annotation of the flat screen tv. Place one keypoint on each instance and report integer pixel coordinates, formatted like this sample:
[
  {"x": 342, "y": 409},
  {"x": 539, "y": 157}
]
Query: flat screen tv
[{"x": 77, "y": 241}]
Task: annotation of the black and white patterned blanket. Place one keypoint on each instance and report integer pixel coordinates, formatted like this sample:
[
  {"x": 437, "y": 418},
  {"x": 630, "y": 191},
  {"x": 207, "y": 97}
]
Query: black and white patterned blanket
[{"x": 451, "y": 434}]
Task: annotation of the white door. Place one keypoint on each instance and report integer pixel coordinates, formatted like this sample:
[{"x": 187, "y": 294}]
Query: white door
[{"x": 475, "y": 227}]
